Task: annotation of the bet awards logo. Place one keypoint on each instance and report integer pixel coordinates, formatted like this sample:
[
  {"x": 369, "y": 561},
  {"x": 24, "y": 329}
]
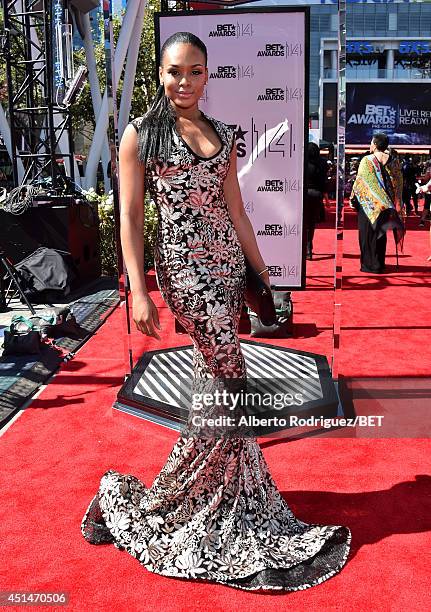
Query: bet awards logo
[
  {"x": 273, "y": 229},
  {"x": 376, "y": 116},
  {"x": 278, "y": 94},
  {"x": 281, "y": 50},
  {"x": 263, "y": 144},
  {"x": 283, "y": 271},
  {"x": 232, "y": 30},
  {"x": 271, "y": 185},
  {"x": 287, "y": 185},
  {"x": 241, "y": 145},
  {"x": 224, "y": 72},
  {"x": 233, "y": 72},
  {"x": 275, "y": 93},
  {"x": 272, "y": 50}
]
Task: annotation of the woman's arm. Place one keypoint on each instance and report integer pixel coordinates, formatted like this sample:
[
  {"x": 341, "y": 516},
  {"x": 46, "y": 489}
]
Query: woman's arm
[
  {"x": 132, "y": 215},
  {"x": 132, "y": 192},
  {"x": 243, "y": 226}
]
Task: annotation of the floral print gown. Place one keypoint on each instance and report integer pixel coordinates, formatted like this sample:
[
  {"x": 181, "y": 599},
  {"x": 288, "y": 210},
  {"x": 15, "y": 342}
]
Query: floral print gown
[{"x": 213, "y": 512}]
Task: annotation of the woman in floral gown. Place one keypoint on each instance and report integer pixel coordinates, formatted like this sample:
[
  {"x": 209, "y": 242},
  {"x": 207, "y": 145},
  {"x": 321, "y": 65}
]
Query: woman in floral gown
[{"x": 214, "y": 511}]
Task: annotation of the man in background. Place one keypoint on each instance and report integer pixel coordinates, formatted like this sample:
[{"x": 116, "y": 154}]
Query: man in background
[{"x": 410, "y": 173}]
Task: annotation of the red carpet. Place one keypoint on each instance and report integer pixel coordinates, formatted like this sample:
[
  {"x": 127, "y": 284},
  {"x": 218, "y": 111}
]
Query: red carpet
[
  {"x": 54, "y": 454},
  {"x": 386, "y": 318}
]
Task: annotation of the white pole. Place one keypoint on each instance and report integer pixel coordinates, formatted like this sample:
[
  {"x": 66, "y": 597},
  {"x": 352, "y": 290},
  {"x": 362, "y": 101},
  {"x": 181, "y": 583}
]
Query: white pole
[
  {"x": 102, "y": 118},
  {"x": 130, "y": 71},
  {"x": 96, "y": 95}
]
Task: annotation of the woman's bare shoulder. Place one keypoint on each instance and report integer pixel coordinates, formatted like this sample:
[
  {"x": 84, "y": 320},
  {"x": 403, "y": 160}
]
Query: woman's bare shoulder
[{"x": 129, "y": 142}]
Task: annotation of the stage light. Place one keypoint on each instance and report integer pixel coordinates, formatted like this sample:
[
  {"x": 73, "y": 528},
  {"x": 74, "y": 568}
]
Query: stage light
[{"x": 76, "y": 86}]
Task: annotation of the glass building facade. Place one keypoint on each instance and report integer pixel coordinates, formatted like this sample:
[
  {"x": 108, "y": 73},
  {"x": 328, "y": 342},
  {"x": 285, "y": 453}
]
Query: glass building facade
[{"x": 375, "y": 50}]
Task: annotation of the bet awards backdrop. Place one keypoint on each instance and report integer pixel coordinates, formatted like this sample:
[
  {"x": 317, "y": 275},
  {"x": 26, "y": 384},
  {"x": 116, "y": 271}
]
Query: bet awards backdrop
[
  {"x": 401, "y": 110},
  {"x": 258, "y": 67}
]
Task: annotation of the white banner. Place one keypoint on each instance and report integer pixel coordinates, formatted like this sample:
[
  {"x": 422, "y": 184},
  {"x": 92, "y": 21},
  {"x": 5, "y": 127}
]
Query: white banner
[{"x": 256, "y": 64}]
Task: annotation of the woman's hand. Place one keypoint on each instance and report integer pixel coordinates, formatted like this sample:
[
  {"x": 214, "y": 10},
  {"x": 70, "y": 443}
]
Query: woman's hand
[{"x": 145, "y": 315}]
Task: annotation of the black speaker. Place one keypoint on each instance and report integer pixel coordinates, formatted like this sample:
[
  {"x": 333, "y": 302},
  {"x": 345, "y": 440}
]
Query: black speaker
[
  {"x": 85, "y": 6},
  {"x": 64, "y": 224}
]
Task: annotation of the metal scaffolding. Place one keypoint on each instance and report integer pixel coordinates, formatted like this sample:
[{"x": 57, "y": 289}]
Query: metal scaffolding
[{"x": 37, "y": 121}]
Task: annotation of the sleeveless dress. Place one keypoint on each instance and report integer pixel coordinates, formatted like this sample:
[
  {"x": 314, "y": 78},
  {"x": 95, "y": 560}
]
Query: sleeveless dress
[{"x": 213, "y": 512}]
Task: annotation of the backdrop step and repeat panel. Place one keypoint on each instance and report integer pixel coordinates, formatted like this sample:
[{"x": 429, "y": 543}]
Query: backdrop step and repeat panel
[{"x": 258, "y": 84}]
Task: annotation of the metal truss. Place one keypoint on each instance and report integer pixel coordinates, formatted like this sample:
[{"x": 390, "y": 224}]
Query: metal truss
[{"x": 37, "y": 122}]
